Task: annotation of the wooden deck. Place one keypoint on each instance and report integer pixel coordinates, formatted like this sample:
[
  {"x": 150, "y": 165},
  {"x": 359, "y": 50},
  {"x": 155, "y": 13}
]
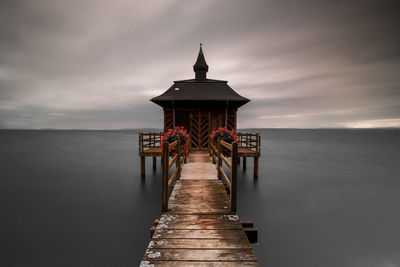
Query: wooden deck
[
  {"x": 248, "y": 147},
  {"x": 199, "y": 228}
]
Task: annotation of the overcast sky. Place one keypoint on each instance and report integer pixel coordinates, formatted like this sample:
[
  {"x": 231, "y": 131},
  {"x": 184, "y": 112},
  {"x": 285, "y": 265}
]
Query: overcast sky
[{"x": 95, "y": 64}]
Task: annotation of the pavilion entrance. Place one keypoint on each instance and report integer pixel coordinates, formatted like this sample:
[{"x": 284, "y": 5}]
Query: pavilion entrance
[{"x": 199, "y": 129}]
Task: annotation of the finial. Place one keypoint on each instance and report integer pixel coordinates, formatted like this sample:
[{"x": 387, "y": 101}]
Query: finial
[{"x": 201, "y": 45}]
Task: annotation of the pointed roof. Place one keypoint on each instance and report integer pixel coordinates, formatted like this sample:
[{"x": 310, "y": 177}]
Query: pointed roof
[
  {"x": 201, "y": 61},
  {"x": 200, "y": 89}
]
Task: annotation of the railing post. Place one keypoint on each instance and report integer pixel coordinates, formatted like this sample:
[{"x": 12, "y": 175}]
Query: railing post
[
  {"x": 165, "y": 177},
  {"x": 219, "y": 163},
  {"x": 234, "y": 176},
  {"x": 178, "y": 160}
]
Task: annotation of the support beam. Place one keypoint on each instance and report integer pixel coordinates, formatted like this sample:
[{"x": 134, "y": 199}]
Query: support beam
[
  {"x": 154, "y": 163},
  {"x": 244, "y": 163},
  {"x": 255, "y": 167},
  {"x": 143, "y": 166}
]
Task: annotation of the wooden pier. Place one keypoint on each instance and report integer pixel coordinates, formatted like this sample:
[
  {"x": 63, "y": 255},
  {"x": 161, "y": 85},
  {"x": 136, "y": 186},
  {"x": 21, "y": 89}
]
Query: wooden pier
[
  {"x": 199, "y": 225},
  {"x": 249, "y": 146}
]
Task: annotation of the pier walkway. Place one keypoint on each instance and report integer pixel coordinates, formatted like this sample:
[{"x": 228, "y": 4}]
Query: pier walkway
[{"x": 199, "y": 225}]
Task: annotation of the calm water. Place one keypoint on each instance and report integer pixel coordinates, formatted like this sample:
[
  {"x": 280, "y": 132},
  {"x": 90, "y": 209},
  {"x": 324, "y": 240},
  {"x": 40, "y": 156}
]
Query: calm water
[{"x": 323, "y": 198}]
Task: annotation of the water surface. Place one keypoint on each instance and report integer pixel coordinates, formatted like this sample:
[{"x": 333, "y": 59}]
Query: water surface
[{"x": 323, "y": 198}]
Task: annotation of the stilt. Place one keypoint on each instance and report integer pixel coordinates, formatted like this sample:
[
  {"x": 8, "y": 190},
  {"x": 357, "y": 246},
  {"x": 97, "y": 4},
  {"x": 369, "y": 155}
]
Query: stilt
[
  {"x": 238, "y": 160},
  {"x": 154, "y": 163},
  {"x": 244, "y": 163},
  {"x": 142, "y": 165},
  {"x": 255, "y": 167}
]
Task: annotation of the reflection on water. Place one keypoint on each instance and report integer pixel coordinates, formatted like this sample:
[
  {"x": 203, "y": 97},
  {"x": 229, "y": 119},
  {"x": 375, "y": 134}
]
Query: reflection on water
[{"x": 323, "y": 198}]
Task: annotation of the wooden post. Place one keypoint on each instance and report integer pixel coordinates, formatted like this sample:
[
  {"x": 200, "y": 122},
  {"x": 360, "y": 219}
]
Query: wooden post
[
  {"x": 255, "y": 167},
  {"x": 165, "y": 177},
  {"x": 178, "y": 160},
  {"x": 244, "y": 163},
  {"x": 142, "y": 166},
  {"x": 140, "y": 143},
  {"x": 234, "y": 177},
  {"x": 219, "y": 164},
  {"x": 154, "y": 163}
]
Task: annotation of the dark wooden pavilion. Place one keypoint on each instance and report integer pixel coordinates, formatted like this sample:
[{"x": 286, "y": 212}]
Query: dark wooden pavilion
[{"x": 201, "y": 105}]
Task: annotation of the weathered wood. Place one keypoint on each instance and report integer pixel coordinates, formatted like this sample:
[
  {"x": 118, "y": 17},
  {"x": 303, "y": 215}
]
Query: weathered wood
[
  {"x": 227, "y": 145},
  {"x": 174, "y": 175},
  {"x": 197, "y": 263},
  {"x": 219, "y": 160},
  {"x": 165, "y": 178},
  {"x": 200, "y": 234},
  {"x": 152, "y": 230},
  {"x": 200, "y": 227},
  {"x": 226, "y": 161},
  {"x": 233, "y": 187},
  {"x": 200, "y": 244},
  {"x": 172, "y": 161},
  {"x": 226, "y": 179},
  {"x": 200, "y": 254},
  {"x": 199, "y": 221}
]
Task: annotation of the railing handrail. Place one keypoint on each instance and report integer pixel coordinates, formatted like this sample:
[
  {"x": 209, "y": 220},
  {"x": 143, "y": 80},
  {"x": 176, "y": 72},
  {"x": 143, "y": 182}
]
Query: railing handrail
[
  {"x": 167, "y": 182},
  {"x": 250, "y": 141},
  {"x": 149, "y": 140},
  {"x": 232, "y": 166}
]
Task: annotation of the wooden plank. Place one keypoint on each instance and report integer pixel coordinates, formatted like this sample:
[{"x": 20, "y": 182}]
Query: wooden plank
[
  {"x": 197, "y": 264},
  {"x": 199, "y": 228},
  {"x": 200, "y": 234},
  {"x": 200, "y": 254},
  {"x": 198, "y": 222},
  {"x": 199, "y": 244}
]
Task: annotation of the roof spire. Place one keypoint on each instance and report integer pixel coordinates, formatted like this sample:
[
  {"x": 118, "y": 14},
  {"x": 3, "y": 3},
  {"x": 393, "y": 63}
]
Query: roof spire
[{"x": 200, "y": 67}]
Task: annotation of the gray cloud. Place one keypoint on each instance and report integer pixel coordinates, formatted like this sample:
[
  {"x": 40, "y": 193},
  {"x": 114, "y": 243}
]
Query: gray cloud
[{"x": 303, "y": 64}]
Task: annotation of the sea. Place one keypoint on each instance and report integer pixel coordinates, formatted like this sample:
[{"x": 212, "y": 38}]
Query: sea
[{"x": 324, "y": 197}]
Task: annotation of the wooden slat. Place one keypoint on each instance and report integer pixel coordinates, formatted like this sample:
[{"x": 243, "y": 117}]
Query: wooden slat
[
  {"x": 200, "y": 254},
  {"x": 198, "y": 222},
  {"x": 198, "y": 263},
  {"x": 199, "y": 234},
  {"x": 200, "y": 244}
]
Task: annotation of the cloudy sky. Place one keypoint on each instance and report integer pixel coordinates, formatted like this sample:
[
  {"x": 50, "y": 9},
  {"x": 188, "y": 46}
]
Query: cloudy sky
[{"x": 95, "y": 64}]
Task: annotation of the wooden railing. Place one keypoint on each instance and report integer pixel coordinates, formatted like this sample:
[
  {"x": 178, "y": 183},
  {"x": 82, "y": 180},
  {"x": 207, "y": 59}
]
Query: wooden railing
[
  {"x": 250, "y": 141},
  {"x": 149, "y": 140},
  {"x": 168, "y": 181},
  {"x": 230, "y": 181}
]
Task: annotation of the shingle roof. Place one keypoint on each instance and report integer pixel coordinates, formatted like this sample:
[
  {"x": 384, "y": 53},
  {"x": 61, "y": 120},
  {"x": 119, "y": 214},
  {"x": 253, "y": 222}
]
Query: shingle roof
[
  {"x": 200, "y": 90},
  {"x": 204, "y": 90}
]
